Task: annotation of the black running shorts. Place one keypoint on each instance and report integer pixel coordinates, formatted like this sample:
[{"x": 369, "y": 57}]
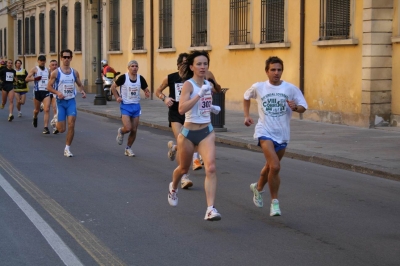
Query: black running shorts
[
  {"x": 40, "y": 95},
  {"x": 175, "y": 116}
]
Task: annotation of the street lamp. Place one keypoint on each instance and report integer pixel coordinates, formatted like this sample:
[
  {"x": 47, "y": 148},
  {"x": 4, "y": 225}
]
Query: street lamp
[{"x": 99, "y": 99}]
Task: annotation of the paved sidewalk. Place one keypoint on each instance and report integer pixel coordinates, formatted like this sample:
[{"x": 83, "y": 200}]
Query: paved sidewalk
[{"x": 371, "y": 151}]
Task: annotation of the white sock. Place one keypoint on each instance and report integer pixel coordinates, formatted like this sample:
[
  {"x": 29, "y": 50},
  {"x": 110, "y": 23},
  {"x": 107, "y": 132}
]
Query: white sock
[
  {"x": 67, "y": 147},
  {"x": 209, "y": 208}
]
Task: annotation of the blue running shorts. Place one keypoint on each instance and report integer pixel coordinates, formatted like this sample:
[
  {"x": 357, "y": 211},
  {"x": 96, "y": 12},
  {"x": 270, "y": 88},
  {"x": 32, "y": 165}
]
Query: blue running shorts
[
  {"x": 277, "y": 146},
  {"x": 66, "y": 108},
  {"x": 132, "y": 110}
]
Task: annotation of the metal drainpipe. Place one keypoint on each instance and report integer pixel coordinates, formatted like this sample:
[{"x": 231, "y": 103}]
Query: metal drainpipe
[
  {"x": 302, "y": 32},
  {"x": 151, "y": 48},
  {"x": 59, "y": 32},
  {"x": 23, "y": 32}
]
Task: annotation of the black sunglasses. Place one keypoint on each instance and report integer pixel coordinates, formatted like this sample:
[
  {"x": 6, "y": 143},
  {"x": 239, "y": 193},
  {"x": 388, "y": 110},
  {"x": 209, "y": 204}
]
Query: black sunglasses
[{"x": 66, "y": 57}]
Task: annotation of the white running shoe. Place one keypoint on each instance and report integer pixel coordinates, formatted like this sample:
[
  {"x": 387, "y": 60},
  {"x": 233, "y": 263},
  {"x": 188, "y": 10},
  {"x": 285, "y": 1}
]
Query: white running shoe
[
  {"x": 172, "y": 195},
  {"x": 257, "y": 199},
  {"x": 201, "y": 160},
  {"x": 19, "y": 114},
  {"x": 129, "y": 152},
  {"x": 120, "y": 138},
  {"x": 53, "y": 122},
  {"x": 41, "y": 107},
  {"x": 171, "y": 150},
  {"x": 275, "y": 210},
  {"x": 67, "y": 153},
  {"x": 186, "y": 182},
  {"x": 212, "y": 215}
]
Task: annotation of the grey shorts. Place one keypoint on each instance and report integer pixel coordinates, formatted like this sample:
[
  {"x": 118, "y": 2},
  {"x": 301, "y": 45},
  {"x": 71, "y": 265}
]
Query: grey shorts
[{"x": 196, "y": 136}]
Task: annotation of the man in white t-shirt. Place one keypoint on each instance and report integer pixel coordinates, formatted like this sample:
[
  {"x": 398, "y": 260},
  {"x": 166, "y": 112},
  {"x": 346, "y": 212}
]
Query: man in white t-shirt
[{"x": 276, "y": 100}]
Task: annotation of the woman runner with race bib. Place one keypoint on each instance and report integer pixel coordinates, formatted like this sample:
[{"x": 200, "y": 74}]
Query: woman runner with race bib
[{"x": 196, "y": 103}]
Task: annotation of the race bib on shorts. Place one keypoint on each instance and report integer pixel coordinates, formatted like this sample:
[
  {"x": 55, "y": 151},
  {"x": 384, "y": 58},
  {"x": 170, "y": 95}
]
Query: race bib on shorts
[
  {"x": 178, "y": 91},
  {"x": 205, "y": 105},
  {"x": 9, "y": 76}
]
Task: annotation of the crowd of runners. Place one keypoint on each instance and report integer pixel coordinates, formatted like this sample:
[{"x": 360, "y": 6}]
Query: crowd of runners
[{"x": 189, "y": 104}]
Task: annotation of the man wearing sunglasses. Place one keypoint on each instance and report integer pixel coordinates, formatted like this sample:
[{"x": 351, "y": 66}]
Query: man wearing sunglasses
[{"x": 63, "y": 79}]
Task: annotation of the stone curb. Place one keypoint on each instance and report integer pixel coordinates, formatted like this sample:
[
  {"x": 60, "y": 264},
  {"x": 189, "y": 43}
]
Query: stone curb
[{"x": 317, "y": 158}]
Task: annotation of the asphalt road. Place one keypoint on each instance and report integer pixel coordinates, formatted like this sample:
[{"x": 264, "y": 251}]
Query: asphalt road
[{"x": 101, "y": 207}]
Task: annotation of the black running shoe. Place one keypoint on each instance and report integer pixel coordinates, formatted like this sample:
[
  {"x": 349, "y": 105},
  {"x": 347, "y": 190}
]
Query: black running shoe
[
  {"x": 55, "y": 131},
  {"x": 34, "y": 122},
  {"x": 10, "y": 118},
  {"x": 46, "y": 130}
]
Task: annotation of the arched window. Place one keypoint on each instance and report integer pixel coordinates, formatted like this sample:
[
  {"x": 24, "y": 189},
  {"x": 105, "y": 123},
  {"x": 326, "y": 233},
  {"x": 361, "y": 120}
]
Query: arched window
[
  {"x": 1, "y": 42},
  {"x": 239, "y": 31},
  {"x": 165, "y": 21},
  {"x": 78, "y": 27},
  {"x": 41, "y": 34},
  {"x": 19, "y": 36},
  {"x": 138, "y": 25},
  {"x": 272, "y": 21},
  {"x": 64, "y": 28},
  {"x": 199, "y": 23},
  {"x": 114, "y": 25},
  {"x": 26, "y": 35},
  {"x": 52, "y": 34},
  {"x": 334, "y": 19},
  {"x": 32, "y": 41}
]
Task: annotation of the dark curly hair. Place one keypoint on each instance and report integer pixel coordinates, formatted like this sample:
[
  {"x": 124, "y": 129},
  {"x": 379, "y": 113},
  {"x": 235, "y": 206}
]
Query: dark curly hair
[
  {"x": 184, "y": 71},
  {"x": 273, "y": 60}
]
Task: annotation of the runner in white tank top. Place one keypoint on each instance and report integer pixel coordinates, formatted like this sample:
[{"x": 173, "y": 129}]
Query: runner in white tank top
[
  {"x": 131, "y": 83},
  {"x": 196, "y": 102},
  {"x": 40, "y": 76}
]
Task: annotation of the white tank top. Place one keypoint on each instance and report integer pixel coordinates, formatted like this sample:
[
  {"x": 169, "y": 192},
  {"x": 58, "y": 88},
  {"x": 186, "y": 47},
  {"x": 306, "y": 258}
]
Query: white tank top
[
  {"x": 130, "y": 91},
  {"x": 41, "y": 85},
  {"x": 66, "y": 84},
  {"x": 200, "y": 112}
]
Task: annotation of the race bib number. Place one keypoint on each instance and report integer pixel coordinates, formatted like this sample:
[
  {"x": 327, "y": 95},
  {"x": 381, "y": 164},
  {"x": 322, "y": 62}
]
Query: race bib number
[
  {"x": 178, "y": 91},
  {"x": 133, "y": 93},
  {"x": 205, "y": 105},
  {"x": 68, "y": 91},
  {"x": 9, "y": 76},
  {"x": 43, "y": 82}
]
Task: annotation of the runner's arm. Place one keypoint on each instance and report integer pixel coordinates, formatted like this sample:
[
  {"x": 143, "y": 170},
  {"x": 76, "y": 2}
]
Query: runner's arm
[
  {"x": 30, "y": 75},
  {"x": 160, "y": 89},
  {"x": 80, "y": 84},
  {"x": 185, "y": 103},
  {"x": 51, "y": 82}
]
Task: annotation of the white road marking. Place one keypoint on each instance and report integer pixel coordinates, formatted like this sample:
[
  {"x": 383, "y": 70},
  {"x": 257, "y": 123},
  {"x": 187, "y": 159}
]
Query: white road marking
[{"x": 62, "y": 250}]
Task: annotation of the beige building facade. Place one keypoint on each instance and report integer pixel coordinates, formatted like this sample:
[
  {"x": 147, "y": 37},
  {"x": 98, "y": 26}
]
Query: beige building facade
[{"x": 343, "y": 55}]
